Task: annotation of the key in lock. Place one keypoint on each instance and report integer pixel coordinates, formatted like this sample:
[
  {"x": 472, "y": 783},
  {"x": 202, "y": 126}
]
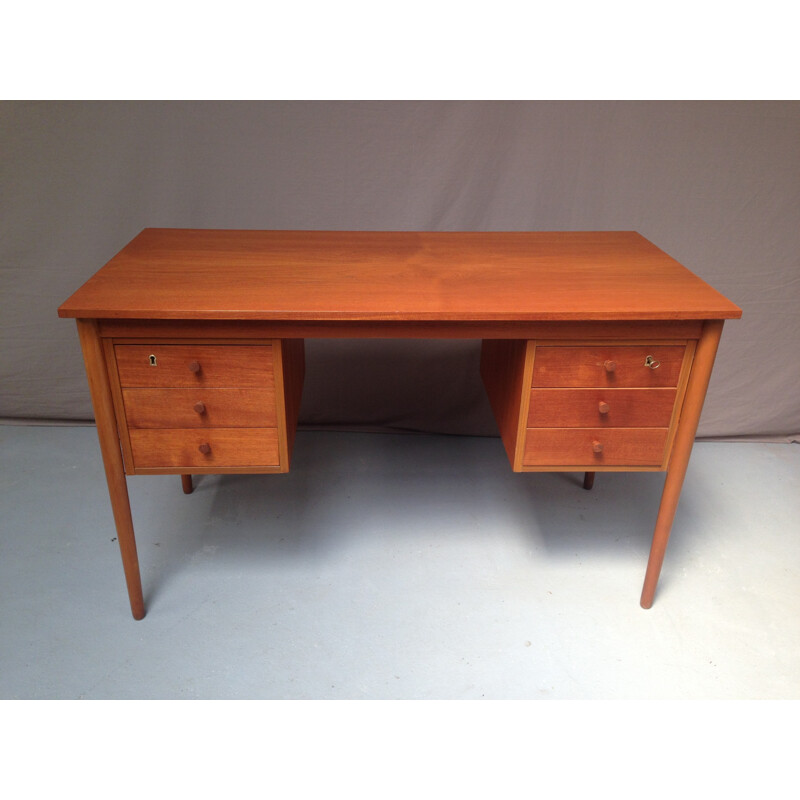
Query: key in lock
[{"x": 652, "y": 362}]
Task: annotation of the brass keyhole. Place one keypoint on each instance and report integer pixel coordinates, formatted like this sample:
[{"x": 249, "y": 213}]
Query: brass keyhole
[{"x": 153, "y": 361}]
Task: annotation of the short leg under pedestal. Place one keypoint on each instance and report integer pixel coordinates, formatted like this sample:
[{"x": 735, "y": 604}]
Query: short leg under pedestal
[
  {"x": 186, "y": 482},
  {"x": 588, "y": 480},
  {"x": 681, "y": 450}
]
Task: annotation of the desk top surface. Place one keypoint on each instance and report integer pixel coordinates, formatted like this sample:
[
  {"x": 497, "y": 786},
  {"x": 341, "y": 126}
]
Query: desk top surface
[{"x": 168, "y": 273}]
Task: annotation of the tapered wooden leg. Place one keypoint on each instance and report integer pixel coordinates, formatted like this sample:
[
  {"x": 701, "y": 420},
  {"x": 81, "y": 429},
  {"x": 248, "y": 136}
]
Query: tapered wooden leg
[
  {"x": 112, "y": 459},
  {"x": 681, "y": 450},
  {"x": 588, "y": 480},
  {"x": 186, "y": 482}
]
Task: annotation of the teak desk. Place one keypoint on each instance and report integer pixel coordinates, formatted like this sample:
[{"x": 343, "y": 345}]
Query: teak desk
[{"x": 597, "y": 348}]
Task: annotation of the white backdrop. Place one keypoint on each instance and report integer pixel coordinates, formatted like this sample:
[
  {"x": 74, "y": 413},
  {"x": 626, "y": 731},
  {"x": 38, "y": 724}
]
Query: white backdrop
[{"x": 714, "y": 184}]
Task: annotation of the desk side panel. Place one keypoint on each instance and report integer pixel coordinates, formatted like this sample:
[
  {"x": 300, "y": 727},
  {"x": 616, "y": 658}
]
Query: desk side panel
[
  {"x": 504, "y": 366},
  {"x": 289, "y": 373}
]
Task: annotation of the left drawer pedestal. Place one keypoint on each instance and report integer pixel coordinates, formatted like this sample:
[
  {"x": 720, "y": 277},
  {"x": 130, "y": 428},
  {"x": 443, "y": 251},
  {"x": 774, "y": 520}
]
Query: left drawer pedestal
[{"x": 205, "y": 407}]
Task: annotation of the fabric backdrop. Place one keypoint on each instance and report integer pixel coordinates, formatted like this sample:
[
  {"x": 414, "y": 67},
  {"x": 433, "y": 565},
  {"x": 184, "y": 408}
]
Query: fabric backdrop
[{"x": 714, "y": 184}]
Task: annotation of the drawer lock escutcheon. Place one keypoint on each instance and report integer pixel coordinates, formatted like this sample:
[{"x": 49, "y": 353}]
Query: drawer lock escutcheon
[
  {"x": 652, "y": 362},
  {"x": 153, "y": 362}
]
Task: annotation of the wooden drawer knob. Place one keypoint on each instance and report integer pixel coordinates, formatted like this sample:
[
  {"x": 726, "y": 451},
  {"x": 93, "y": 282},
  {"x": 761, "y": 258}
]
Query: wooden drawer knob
[
  {"x": 610, "y": 365},
  {"x": 597, "y": 446},
  {"x": 200, "y": 407},
  {"x": 602, "y": 407},
  {"x": 205, "y": 448},
  {"x": 194, "y": 367}
]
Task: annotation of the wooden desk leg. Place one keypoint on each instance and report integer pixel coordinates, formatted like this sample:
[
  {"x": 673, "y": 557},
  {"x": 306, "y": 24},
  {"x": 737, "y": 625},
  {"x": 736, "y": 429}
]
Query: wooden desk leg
[
  {"x": 186, "y": 482},
  {"x": 112, "y": 459},
  {"x": 681, "y": 450},
  {"x": 588, "y": 480}
]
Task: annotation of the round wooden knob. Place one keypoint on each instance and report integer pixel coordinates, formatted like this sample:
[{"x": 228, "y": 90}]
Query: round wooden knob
[
  {"x": 610, "y": 365},
  {"x": 597, "y": 446},
  {"x": 200, "y": 407},
  {"x": 205, "y": 448},
  {"x": 602, "y": 407},
  {"x": 194, "y": 367}
]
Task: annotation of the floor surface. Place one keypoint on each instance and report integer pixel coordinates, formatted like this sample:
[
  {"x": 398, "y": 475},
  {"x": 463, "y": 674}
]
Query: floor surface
[{"x": 388, "y": 566}]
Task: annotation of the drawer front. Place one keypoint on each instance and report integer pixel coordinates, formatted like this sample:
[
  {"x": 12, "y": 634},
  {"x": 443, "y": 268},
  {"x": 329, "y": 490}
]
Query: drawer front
[
  {"x": 575, "y": 447},
  {"x": 200, "y": 408},
  {"x": 227, "y": 447},
  {"x": 608, "y": 408},
  {"x": 194, "y": 365},
  {"x": 612, "y": 366}
]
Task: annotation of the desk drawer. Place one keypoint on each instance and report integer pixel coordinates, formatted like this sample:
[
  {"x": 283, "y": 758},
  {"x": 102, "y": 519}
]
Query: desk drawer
[
  {"x": 607, "y": 408},
  {"x": 214, "y": 447},
  {"x": 200, "y": 408},
  {"x": 194, "y": 365},
  {"x": 613, "y": 366},
  {"x": 576, "y": 447}
]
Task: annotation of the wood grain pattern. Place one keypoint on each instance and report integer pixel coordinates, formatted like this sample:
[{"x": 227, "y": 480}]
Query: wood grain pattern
[
  {"x": 392, "y": 276},
  {"x": 223, "y": 408},
  {"x": 579, "y": 408},
  {"x": 179, "y": 449},
  {"x": 237, "y": 366},
  {"x": 583, "y": 366},
  {"x": 574, "y": 446}
]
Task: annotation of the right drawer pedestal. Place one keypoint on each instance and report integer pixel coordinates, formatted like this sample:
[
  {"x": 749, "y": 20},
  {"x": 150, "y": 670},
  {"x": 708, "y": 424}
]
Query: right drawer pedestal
[{"x": 578, "y": 405}]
